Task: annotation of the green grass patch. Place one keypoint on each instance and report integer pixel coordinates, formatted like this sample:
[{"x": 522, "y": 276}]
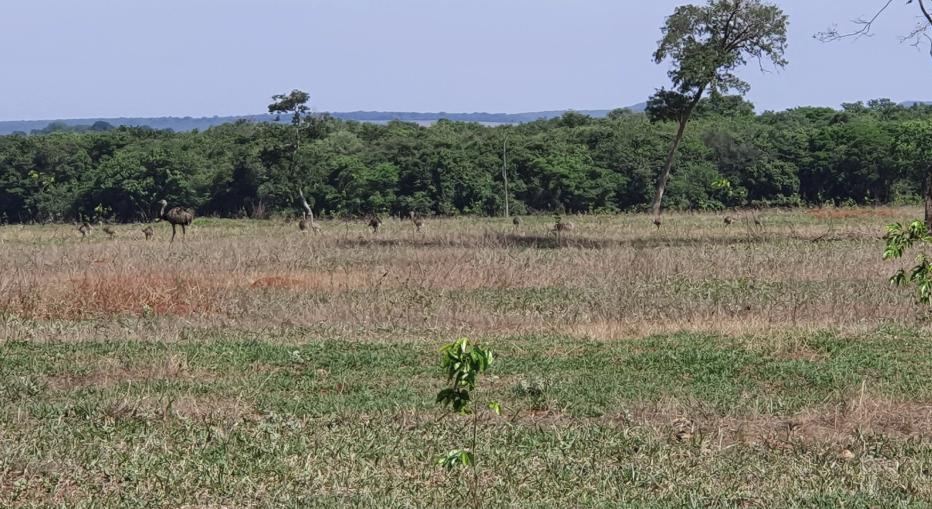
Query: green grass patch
[{"x": 227, "y": 418}]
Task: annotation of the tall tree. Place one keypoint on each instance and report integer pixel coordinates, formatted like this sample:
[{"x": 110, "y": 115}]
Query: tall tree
[
  {"x": 705, "y": 45},
  {"x": 294, "y": 103}
]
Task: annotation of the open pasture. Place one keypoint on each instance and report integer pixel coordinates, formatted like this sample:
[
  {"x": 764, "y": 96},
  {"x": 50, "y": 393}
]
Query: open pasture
[{"x": 251, "y": 365}]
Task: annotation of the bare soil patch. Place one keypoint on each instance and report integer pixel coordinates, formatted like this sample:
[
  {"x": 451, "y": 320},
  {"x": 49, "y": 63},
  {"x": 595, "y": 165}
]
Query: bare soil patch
[{"x": 276, "y": 282}]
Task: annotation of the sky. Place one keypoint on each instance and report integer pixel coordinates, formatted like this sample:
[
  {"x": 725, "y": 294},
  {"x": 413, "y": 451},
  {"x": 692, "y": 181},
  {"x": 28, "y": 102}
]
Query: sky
[{"x": 117, "y": 58}]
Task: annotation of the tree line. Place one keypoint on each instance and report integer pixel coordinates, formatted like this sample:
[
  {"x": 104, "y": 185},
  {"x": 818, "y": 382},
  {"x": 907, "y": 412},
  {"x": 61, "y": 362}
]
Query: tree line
[{"x": 877, "y": 152}]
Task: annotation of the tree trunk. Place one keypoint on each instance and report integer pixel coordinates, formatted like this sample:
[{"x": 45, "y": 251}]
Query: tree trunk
[
  {"x": 505, "y": 172},
  {"x": 927, "y": 198},
  {"x": 665, "y": 174},
  {"x": 506, "y": 195}
]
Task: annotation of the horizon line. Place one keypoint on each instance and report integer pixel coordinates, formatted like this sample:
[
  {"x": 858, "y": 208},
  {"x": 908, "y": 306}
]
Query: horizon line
[{"x": 441, "y": 112}]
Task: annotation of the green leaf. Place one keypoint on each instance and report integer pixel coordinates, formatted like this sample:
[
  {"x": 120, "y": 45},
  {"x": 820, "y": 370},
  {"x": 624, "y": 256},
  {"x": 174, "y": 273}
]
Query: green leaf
[
  {"x": 446, "y": 396},
  {"x": 898, "y": 278},
  {"x": 453, "y": 458}
]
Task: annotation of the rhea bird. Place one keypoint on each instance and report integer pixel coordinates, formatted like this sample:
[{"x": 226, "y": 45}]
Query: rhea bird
[
  {"x": 148, "y": 231},
  {"x": 84, "y": 228},
  {"x": 107, "y": 229},
  {"x": 562, "y": 226},
  {"x": 516, "y": 221},
  {"x": 657, "y": 222},
  {"x": 728, "y": 220},
  {"x": 304, "y": 223},
  {"x": 177, "y": 216},
  {"x": 374, "y": 223}
]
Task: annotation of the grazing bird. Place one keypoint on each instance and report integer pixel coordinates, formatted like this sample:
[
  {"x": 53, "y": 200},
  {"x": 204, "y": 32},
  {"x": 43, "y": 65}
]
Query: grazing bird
[
  {"x": 148, "y": 231},
  {"x": 84, "y": 228},
  {"x": 516, "y": 221},
  {"x": 728, "y": 220},
  {"x": 657, "y": 222},
  {"x": 561, "y": 226},
  {"x": 107, "y": 229},
  {"x": 418, "y": 223},
  {"x": 176, "y": 216},
  {"x": 374, "y": 223},
  {"x": 302, "y": 224}
]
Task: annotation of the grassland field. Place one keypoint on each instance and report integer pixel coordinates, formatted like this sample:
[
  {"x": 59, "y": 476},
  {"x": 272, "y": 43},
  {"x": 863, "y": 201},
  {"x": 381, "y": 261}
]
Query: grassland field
[{"x": 250, "y": 365}]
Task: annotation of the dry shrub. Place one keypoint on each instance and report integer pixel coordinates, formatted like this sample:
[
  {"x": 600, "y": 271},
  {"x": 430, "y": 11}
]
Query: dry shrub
[
  {"x": 131, "y": 294},
  {"x": 259, "y": 210},
  {"x": 101, "y": 295}
]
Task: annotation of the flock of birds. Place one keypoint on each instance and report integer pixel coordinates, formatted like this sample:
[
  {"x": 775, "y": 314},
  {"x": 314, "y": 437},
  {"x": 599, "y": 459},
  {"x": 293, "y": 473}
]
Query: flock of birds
[
  {"x": 180, "y": 216},
  {"x": 177, "y": 216},
  {"x": 728, "y": 220}
]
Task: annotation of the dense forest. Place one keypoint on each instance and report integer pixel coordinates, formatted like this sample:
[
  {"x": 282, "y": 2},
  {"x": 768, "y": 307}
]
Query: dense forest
[{"x": 877, "y": 152}]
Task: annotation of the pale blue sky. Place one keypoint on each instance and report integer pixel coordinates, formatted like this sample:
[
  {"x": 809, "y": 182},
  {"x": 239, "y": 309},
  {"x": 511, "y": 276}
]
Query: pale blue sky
[{"x": 113, "y": 58}]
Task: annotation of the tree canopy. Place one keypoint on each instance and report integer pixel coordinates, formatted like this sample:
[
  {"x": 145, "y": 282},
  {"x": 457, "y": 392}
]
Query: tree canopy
[{"x": 870, "y": 152}]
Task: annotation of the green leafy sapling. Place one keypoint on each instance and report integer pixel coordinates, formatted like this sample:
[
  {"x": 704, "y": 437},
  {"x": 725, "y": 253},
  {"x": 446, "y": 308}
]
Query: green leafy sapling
[
  {"x": 462, "y": 363},
  {"x": 898, "y": 239}
]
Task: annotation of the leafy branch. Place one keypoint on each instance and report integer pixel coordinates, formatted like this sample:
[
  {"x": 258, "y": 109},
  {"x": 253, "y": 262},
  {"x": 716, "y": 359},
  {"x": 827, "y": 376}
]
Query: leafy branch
[{"x": 899, "y": 238}]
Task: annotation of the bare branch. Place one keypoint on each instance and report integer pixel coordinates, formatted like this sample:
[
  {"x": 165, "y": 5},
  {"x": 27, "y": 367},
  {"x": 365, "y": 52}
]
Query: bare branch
[
  {"x": 832, "y": 34},
  {"x": 914, "y": 37},
  {"x": 760, "y": 63}
]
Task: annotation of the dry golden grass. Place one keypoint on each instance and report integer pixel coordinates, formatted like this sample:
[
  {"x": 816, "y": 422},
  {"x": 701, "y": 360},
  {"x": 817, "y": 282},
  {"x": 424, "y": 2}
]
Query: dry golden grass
[{"x": 613, "y": 276}]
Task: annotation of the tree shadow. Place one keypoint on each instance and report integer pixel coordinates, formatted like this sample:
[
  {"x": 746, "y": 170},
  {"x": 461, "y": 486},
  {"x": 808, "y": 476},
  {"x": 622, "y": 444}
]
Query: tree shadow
[{"x": 575, "y": 241}]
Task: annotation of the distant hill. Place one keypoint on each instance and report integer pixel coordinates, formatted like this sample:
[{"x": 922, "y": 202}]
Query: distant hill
[
  {"x": 189, "y": 123},
  {"x": 908, "y": 104}
]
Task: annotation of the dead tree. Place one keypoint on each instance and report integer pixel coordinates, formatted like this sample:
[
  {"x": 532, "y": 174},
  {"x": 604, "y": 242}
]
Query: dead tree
[{"x": 309, "y": 216}]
